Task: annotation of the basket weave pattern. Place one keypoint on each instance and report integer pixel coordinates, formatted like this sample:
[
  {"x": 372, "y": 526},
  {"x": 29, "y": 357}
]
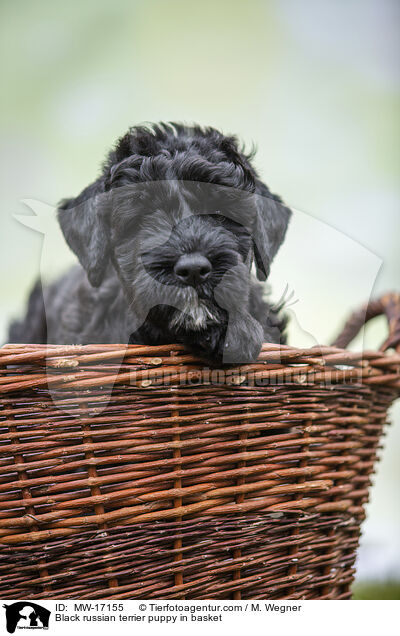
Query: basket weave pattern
[{"x": 137, "y": 472}]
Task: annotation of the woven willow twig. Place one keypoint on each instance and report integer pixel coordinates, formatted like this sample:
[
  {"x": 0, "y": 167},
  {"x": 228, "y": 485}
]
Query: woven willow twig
[{"x": 139, "y": 472}]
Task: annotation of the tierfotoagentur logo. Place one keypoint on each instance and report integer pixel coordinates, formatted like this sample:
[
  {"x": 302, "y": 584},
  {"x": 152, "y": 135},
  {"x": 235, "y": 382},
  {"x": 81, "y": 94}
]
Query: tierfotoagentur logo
[{"x": 26, "y": 615}]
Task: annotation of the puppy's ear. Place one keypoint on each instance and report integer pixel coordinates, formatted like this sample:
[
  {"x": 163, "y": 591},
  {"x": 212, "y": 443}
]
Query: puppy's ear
[
  {"x": 85, "y": 220},
  {"x": 85, "y": 224},
  {"x": 272, "y": 219}
]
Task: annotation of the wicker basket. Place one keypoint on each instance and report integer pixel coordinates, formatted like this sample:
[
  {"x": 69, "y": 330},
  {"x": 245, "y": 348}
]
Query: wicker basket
[{"x": 136, "y": 472}]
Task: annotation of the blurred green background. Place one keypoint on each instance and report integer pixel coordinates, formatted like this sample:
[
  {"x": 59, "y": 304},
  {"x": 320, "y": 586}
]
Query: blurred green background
[{"x": 313, "y": 83}]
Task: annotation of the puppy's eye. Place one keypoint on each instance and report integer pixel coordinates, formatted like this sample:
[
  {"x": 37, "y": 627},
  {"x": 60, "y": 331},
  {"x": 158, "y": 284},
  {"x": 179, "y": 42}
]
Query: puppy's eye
[
  {"x": 222, "y": 219},
  {"x": 230, "y": 224}
]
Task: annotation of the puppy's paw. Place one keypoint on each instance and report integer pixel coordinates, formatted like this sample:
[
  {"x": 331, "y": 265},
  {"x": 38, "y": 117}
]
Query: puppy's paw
[
  {"x": 239, "y": 343},
  {"x": 208, "y": 344},
  {"x": 243, "y": 341}
]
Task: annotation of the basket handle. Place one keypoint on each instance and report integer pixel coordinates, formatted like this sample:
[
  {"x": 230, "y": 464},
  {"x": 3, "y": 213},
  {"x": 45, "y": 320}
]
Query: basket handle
[{"x": 389, "y": 305}]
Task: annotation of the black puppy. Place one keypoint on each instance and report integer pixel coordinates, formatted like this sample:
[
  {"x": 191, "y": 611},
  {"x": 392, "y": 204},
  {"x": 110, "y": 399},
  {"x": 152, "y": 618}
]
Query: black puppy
[{"x": 166, "y": 238}]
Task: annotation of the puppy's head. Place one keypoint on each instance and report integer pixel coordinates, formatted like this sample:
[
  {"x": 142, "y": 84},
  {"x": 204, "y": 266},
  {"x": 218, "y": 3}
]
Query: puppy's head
[{"x": 173, "y": 211}]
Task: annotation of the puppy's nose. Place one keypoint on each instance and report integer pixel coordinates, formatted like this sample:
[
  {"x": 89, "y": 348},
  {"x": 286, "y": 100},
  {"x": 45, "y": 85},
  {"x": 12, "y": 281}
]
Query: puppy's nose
[{"x": 192, "y": 269}]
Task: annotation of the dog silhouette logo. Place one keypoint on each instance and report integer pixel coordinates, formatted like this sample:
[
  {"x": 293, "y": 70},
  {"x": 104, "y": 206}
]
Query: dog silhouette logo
[{"x": 26, "y": 615}]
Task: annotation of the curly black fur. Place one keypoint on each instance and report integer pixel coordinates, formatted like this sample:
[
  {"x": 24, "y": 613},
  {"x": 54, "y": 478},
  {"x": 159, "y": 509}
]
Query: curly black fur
[{"x": 166, "y": 191}]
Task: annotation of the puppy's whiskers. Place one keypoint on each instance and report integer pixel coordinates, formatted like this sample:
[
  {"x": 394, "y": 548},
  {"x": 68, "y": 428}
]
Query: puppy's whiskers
[{"x": 195, "y": 314}]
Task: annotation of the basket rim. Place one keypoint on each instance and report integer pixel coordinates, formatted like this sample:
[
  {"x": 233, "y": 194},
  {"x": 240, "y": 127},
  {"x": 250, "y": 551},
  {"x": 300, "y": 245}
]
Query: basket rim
[{"x": 96, "y": 365}]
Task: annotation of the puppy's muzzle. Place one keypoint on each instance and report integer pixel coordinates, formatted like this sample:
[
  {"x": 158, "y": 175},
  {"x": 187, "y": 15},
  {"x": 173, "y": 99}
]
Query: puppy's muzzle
[{"x": 192, "y": 269}]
